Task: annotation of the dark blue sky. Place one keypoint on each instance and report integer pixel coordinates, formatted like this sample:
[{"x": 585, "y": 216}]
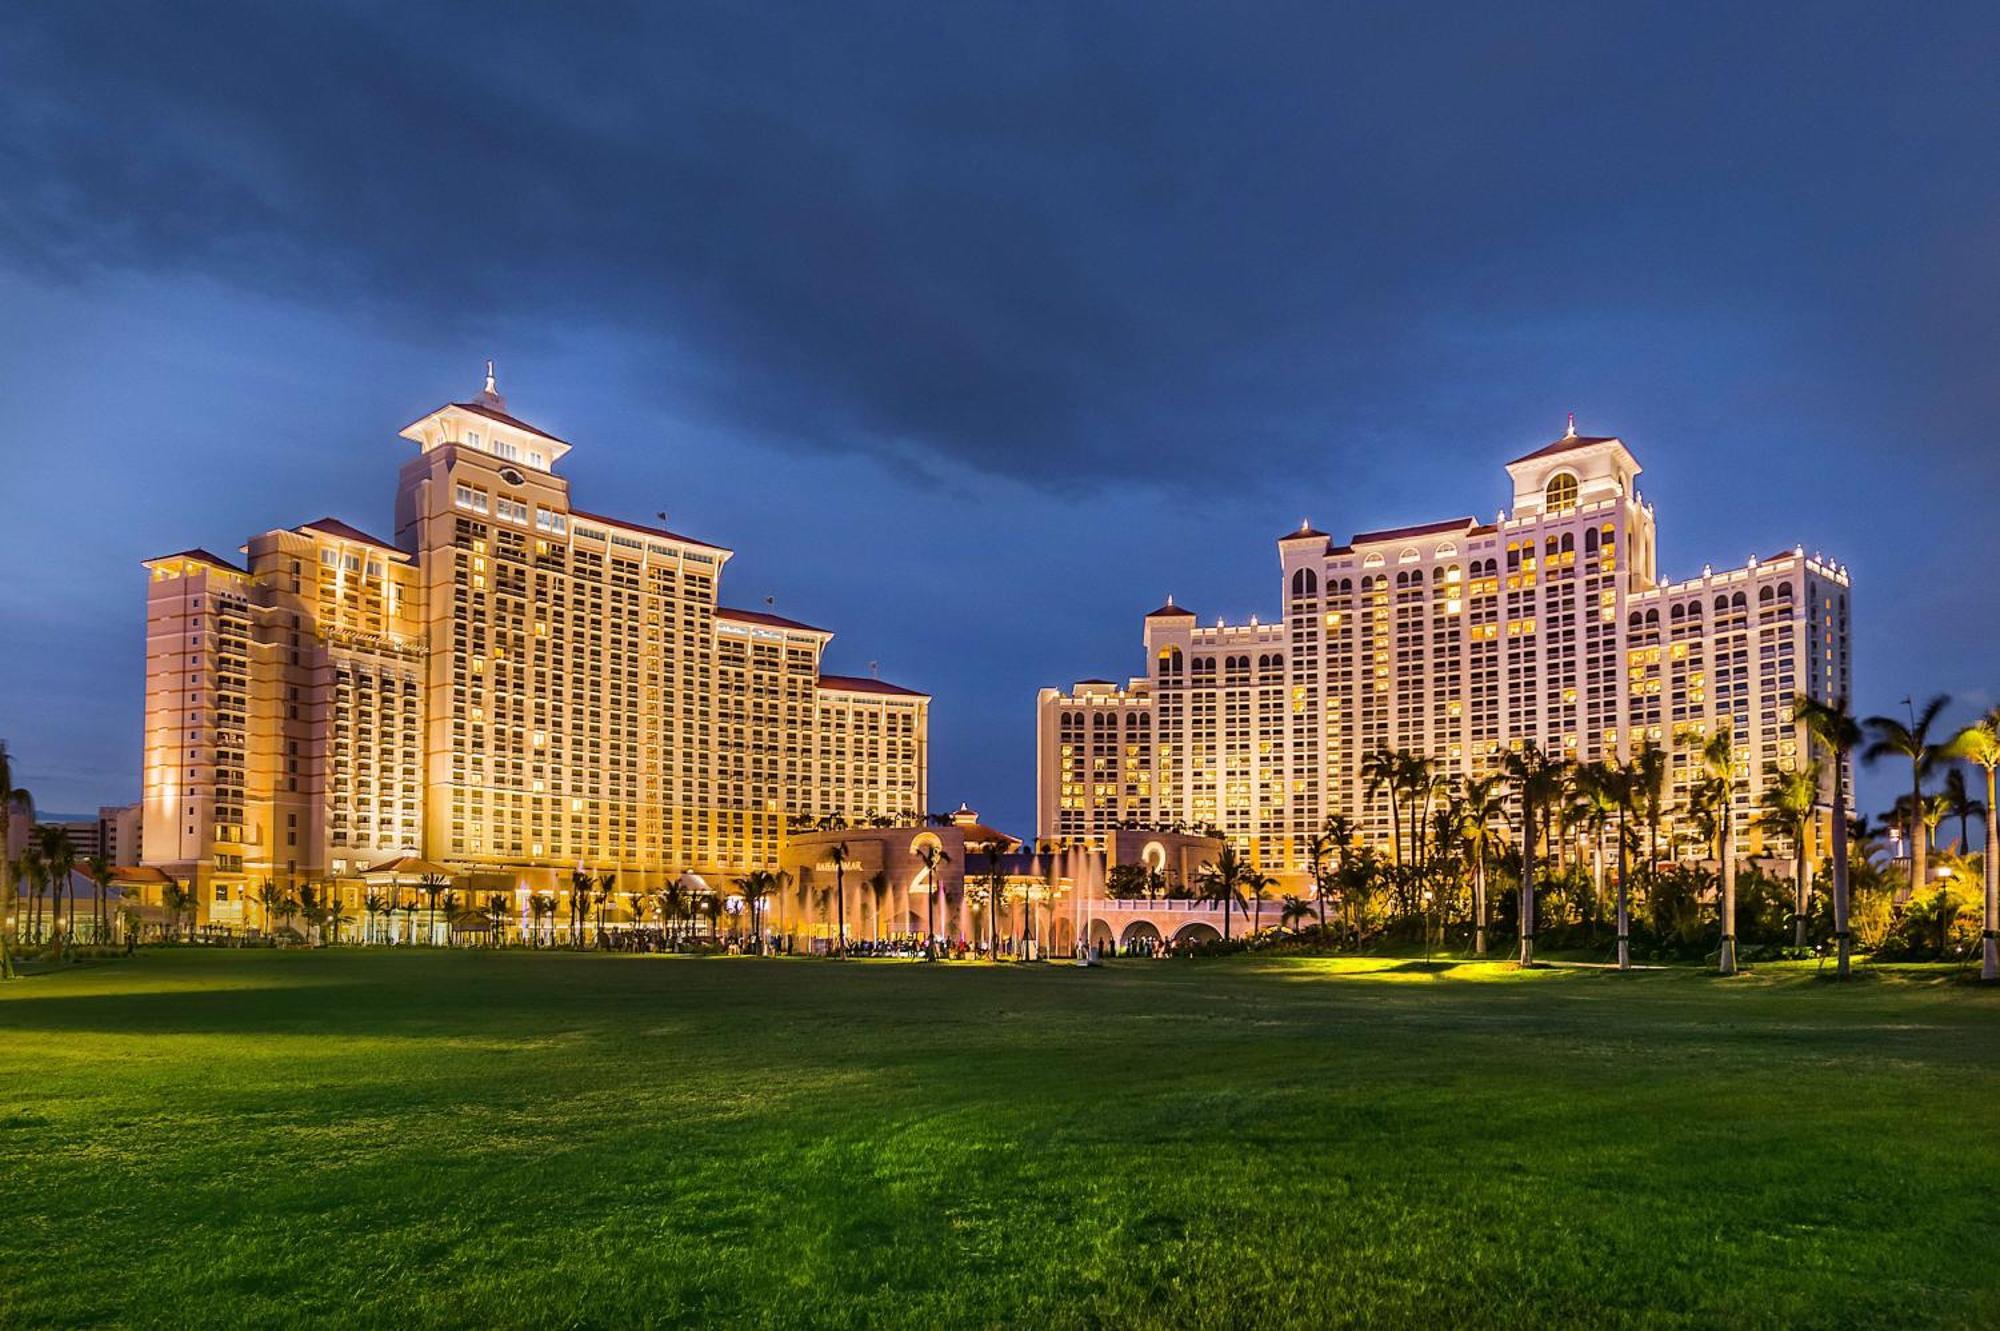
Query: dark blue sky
[{"x": 976, "y": 331}]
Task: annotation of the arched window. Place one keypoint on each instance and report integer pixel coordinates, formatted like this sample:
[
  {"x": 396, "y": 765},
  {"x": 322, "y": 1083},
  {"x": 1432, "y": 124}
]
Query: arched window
[
  {"x": 1589, "y": 539},
  {"x": 1305, "y": 582},
  {"x": 1764, "y": 593},
  {"x": 1560, "y": 496}
]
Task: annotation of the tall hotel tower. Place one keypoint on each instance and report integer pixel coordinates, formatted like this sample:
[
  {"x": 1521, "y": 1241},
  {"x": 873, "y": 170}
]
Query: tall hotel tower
[
  {"x": 1458, "y": 641},
  {"x": 514, "y": 688}
]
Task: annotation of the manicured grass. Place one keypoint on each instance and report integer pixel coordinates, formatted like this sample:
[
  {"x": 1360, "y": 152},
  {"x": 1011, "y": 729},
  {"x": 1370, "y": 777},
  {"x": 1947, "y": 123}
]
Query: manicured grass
[{"x": 394, "y": 1137}]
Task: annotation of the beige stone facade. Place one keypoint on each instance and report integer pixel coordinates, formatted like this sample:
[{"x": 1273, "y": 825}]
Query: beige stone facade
[
  {"x": 514, "y": 687},
  {"x": 1458, "y": 640}
]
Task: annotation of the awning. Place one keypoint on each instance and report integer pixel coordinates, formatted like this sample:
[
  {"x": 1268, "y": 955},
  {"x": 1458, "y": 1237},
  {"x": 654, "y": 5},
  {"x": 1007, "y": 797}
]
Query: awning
[{"x": 406, "y": 866}]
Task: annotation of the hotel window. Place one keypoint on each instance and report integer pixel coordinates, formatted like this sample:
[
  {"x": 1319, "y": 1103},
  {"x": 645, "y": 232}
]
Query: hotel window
[
  {"x": 467, "y": 497},
  {"x": 1560, "y": 497}
]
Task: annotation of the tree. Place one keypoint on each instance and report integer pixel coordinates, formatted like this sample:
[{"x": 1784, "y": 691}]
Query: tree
[
  {"x": 1223, "y": 880},
  {"x": 268, "y": 896},
  {"x": 1832, "y": 726},
  {"x": 1979, "y": 744},
  {"x": 996, "y": 892},
  {"x": 1649, "y": 778},
  {"x": 9, "y": 795},
  {"x": 1328, "y": 849},
  {"x": 371, "y": 907},
  {"x": 1381, "y": 770},
  {"x": 1256, "y": 884},
  {"x": 1889, "y": 738},
  {"x": 1483, "y": 803},
  {"x": 1537, "y": 782},
  {"x": 840, "y": 861},
  {"x": 1789, "y": 801},
  {"x": 1960, "y": 804},
  {"x": 99, "y": 869},
  {"x": 335, "y": 915},
  {"x": 1292, "y": 910},
  {"x": 58, "y": 859},
  {"x": 496, "y": 918},
  {"x": 179, "y": 902},
  {"x": 28, "y": 869},
  {"x": 1716, "y": 803}
]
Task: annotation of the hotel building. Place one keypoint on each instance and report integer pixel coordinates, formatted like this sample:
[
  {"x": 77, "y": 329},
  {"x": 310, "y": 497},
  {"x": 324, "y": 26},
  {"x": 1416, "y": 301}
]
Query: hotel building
[
  {"x": 1457, "y": 640},
  {"x": 514, "y": 688}
]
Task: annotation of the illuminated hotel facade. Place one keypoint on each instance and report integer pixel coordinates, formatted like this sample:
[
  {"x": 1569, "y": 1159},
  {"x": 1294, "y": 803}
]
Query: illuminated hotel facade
[
  {"x": 514, "y": 688},
  {"x": 1458, "y": 641}
]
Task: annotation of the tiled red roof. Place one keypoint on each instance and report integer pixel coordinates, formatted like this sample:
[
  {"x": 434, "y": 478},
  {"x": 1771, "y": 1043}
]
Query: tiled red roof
[
  {"x": 336, "y": 528},
  {"x": 1302, "y": 533},
  {"x": 768, "y": 620},
  {"x": 204, "y": 556},
  {"x": 862, "y": 684},
  {"x": 650, "y": 531},
  {"x": 1170, "y": 611},
  {"x": 1564, "y": 445},
  {"x": 495, "y": 414},
  {"x": 1406, "y": 533}
]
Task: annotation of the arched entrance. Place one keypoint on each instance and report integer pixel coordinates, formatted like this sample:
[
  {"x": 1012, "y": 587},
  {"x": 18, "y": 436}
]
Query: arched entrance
[{"x": 1196, "y": 932}]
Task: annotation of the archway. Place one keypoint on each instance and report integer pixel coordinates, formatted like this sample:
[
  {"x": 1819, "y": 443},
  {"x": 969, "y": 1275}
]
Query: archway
[
  {"x": 1140, "y": 937},
  {"x": 1195, "y": 931},
  {"x": 1101, "y": 935}
]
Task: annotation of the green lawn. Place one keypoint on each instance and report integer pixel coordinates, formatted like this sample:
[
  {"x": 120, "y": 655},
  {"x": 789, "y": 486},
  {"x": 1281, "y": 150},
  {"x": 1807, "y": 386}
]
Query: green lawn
[{"x": 495, "y": 1139}]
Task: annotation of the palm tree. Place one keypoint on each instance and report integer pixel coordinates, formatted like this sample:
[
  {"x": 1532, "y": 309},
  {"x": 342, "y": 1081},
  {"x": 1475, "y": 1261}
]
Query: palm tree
[
  {"x": 1380, "y": 770},
  {"x": 1482, "y": 804},
  {"x": 267, "y": 898},
  {"x": 1256, "y": 884},
  {"x": 179, "y": 902},
  {"x": 1979, "y": 744},
  {"x": 1649, "y": 776},
  {"x": 29, "y": 870},
  {"x": 99, "y": 869},
  {"x": 58, "y": 858},
  {"x": 1834, "y": 727},
  {"x": 1717, "y": 797},
  {"x": 1327, "y": 848},
  {"x": 996, "y": 892},
  {"x": 1223, "y": 880},
  {"x": 1294, "y": 909},
  {"x": 335, "y": 916},
  {"x": 1789, "y": 801},
  {"x": 1537, "y": 781},
  {"x": 9, "y": 793},
  {"x": 1890, "y": 738},
  {"x": 931, "y": 857},
  {"x": 431, "y": 886},
  {"x": 840, "y": 861},
  {"x": 1596, "y": 791},
  {"x": 755, "y": 886},
  {"x": 371, "y": 907},
  {"x": 1959, "y": 799}
]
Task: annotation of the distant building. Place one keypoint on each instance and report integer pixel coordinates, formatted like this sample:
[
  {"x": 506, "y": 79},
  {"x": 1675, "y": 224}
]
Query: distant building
[
  {"x": 1458, "y": 640},
  {"x": 515, "y": 688}
]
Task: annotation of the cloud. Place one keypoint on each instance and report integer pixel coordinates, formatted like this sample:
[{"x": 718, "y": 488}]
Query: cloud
[{"x": 1059, "y": 244}]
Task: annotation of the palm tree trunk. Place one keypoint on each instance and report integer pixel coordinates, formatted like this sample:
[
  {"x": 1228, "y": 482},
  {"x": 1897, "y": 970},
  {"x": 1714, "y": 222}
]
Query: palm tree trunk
[
  {"x": 1801, "y": 884},
  {"x": 1624, "y": 899},
  {"x": 1843, "y": 942},
  {"x": 1989, "y": 943},
  {"x": 1526, "y": 909},
  {"x": 1725, "y": 961},
  {"x": 1919, "y": 834},
  {"x": 1479, "y": 902}
]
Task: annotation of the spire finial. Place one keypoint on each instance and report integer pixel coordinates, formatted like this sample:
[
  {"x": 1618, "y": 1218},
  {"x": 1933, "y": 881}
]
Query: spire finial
[
  {"x": 1570, "y": 435},
  {"x": 1170, "y": 598},
  {"x": 490, "y": 395}
]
